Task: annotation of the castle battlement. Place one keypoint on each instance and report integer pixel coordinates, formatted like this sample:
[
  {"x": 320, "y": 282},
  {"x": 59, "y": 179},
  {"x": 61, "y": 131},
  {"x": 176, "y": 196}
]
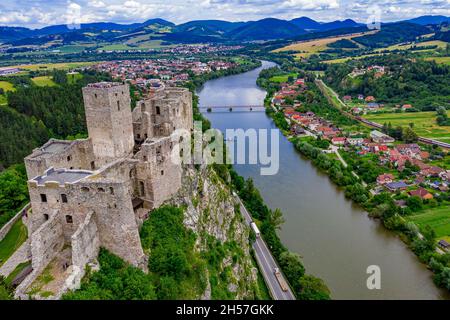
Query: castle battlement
[{"x": 92, "y": 193}]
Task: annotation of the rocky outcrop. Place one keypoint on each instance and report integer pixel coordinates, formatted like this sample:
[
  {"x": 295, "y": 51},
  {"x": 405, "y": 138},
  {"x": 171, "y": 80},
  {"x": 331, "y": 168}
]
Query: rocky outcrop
[{"x": 214, "y": 215}]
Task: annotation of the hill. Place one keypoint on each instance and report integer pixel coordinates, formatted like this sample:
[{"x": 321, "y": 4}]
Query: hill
[
  {"x": 392, "y": 34},
  {"x": 348, "y": 23},
  {"x": 265, "y": 29},
  {"x": 306, "y": 23},
  {"x": 208, "y": 27},
  {"x": 424, "y": 20}
]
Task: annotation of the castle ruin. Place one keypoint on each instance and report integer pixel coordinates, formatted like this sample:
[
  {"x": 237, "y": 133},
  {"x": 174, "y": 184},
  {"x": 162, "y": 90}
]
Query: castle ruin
[{"x": 94, "y": 192}]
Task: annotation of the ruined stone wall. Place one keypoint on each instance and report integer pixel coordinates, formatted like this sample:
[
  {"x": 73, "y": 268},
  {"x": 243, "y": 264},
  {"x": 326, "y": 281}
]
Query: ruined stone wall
[
  {"x": 162, "y": 114},
  {"x": 77, "y": 154},
  {"x": 157, "y": 176},
  {"x": 116, "y": 223},
  {"x": 46, "y": 242},
  {"x": 85, "y": 242},
  {"x": 109, "y": 120}
]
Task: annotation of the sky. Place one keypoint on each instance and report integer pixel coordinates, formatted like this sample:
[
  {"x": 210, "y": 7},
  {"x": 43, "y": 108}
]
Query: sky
[{"x": 39, "y": 13}]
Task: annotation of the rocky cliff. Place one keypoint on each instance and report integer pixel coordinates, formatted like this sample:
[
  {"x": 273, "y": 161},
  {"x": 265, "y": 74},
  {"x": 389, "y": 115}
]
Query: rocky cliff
[{"x": 222, "y": 235}]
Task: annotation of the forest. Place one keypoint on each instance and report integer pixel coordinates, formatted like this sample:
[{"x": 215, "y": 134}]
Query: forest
[
  {"x": 423, "y": 84},
  {"x": 35, "y": 114}
]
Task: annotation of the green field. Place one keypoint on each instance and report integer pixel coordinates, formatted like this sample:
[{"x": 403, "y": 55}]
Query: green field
[
  {"x": 445, "y": 60},
  {"x": 282, "y": 78},
  {"x": 6, "y": 86},
  {"x": 51, "y": 66},
  {"x": 13, "y": 240},
  {"x": 43, "y": 81},
  {"x": 424, "y": 123},
  {"x": 437, "y": 218},
  {"x": 72, "y": 78}
]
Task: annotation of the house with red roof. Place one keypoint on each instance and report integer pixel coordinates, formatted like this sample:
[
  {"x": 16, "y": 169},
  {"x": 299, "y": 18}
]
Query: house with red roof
[
  {"x": 432, "y": 171},
  {"x": 338, "y": 140},
  {"x": 422, "y": 193},
  {"x": 347, "y": 98},
  {"x": 385, "y": 178}
]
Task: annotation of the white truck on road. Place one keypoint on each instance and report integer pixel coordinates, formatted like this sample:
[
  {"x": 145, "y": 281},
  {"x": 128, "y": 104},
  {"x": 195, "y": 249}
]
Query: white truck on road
[{"x": 255, "y": 229}]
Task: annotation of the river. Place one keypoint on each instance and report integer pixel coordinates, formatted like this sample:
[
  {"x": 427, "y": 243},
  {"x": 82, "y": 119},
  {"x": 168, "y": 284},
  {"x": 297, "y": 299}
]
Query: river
[{"x": 336, "y": 239}]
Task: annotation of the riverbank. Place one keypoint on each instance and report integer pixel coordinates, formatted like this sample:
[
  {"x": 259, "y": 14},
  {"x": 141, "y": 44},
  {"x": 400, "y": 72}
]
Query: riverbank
[{"x": 378, "y": 206}]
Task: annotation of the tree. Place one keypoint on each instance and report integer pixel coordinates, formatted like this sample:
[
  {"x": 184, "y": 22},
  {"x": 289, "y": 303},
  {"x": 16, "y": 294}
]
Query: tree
[
  {"x": 276, "y": 218},
  {"x": 313, "y": 288},
  {"x": 415, "y": 203},
  {"x": 409, "y": 135},
  {"x": 442, "y": 279},
  {"x": 6, "y": 292},
  {"x": 442, "y": 118},
  {"x": 292, "y": 267},
  {"x": 13, "y": 192}
]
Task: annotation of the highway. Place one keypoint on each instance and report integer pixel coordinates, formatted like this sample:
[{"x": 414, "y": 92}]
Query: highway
[{"x": 266, "y": 263}]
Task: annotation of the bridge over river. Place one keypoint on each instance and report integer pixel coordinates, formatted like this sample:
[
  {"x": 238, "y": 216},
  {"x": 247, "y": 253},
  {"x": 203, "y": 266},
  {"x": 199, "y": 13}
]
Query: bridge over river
[{"x": 233, "y": 108}]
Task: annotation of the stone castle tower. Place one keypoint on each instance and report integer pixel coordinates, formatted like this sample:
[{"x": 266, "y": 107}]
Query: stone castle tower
[
  {"x": 94, "y": 192},
  {"x": 109, "y": 120}
]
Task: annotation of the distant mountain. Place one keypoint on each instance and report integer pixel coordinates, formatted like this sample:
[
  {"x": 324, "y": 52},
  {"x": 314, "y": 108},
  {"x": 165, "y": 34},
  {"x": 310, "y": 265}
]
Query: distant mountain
[
  {"x": 312, "y": 25},
  {"x": 265, "y": 29},
  {"x": 349, "y": 23},
  {"x": 443, "y": 36},
  {"x": 212, "y": 31},
  {"x": 12, "y": 33},
  {"x": 306, "y": 23},
  {"x": 208, "y": 27},
  {"x": 392, "y": 33},
  {"x": 424, "y": 20},
  {"x": 159, "y": 21}
]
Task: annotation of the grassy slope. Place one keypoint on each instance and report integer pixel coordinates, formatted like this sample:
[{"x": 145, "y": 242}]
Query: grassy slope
[
  {"x": 437, "y": 218},
  {"x": 43, "y": 81},
  {"x": 308, "y": 48},
  {"x": 6, "y": 86},
  {"x": 13, "y": 240},
  {"x": 424, "y": 123}
]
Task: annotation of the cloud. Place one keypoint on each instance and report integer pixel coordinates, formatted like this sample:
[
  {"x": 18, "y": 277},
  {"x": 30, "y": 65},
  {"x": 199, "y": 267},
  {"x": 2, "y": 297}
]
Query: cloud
[{"x": 44, "y": 12}]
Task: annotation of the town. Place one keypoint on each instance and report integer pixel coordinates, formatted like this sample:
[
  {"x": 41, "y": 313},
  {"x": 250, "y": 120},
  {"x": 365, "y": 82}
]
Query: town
[{"x": 154, "y": 73}]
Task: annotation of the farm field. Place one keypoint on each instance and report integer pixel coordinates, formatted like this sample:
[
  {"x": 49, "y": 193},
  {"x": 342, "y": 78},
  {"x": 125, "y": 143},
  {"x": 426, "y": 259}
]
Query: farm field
[
  {"x": 424, "y": 123},
  {"x": 51, "y": 66},
  {"x": 43, "y": 81},
  {"x": 437, "y": 218},
  {"x": 438, "y": 43},
  {"x": 6, "y": 86},
  {"x": 342, "y": 60},
  {"x": 282, "y": 78},
  {"x": 444, "y": 60},
  {"x": 307, "y": 48}
]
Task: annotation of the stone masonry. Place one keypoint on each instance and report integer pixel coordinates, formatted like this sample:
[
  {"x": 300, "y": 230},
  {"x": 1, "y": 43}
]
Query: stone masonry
[{"x": 92, "y": 193}]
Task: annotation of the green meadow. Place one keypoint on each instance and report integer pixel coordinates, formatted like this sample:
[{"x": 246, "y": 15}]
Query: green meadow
[{"x": 424, "y": 123}]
